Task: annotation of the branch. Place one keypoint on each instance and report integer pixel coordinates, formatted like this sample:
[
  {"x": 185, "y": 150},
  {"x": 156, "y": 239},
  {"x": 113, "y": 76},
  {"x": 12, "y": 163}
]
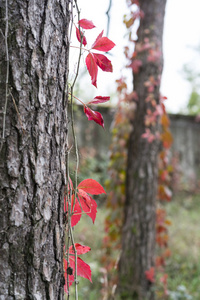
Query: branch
[{"x": 108, "y": 16}]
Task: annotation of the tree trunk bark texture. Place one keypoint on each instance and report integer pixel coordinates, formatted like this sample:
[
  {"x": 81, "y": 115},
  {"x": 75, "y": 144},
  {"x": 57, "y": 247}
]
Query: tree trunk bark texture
[
  {"x": 32, "y": 158},
  {"x": 138, "y": 234}
]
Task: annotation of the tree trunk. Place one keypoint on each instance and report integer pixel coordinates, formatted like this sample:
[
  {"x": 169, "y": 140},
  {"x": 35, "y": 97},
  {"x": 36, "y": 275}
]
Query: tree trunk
[
  {"x": 33, "y": 147},
  {"x": 138, "y": 234}
]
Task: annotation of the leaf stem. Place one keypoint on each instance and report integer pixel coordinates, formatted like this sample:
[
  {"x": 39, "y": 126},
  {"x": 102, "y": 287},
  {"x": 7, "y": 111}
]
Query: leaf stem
[
  {"x": 79, "y": 48},
  {"x": 78, "y": 99}
]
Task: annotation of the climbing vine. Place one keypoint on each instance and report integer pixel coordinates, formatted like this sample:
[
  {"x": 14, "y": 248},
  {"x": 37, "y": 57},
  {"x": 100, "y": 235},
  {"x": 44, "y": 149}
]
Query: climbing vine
[
  {"x": 78, "y": 200},
  {"x": 118, "y": 159}
]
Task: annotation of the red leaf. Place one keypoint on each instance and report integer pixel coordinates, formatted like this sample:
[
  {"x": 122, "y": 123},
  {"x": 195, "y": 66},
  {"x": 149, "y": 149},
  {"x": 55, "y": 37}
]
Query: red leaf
[
  {"x": 91, "y": 186},
  {"x": 85, "y": 201},
  {"x": 88, "y": 204},
  {"x": 135, "y": 65},
  {"x": 81, "y": 249},
  {"x": 92, "y": 68},
  {"x": 93, "y": 210},
  {"x": 83, "y": 269},
  {"x": 103, "y": 44},
  {"x": 99, "y": 99},
  {"x": 86, "y": 24},
  {"x": 98, "y": 38},
  {"x": 94, "y": 116},
  {"x": 76, "y": 216},
  {"x": 103, "y": 62},
  {"x": 78, "y": 35},
  {"x": 70, "y": 277},
  {"x": 150, "y": 274}
]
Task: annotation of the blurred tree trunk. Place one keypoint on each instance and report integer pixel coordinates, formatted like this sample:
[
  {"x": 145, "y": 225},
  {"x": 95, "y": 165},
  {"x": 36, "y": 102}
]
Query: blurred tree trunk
[
  {"x": 138, "y": 234},
  {"x": 33, "y": 147}
]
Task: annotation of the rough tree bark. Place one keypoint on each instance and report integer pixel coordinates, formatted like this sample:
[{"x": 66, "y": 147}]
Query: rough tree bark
[
  {"x": 138, "y": 234},
  {"x": 32, "y": 157}
]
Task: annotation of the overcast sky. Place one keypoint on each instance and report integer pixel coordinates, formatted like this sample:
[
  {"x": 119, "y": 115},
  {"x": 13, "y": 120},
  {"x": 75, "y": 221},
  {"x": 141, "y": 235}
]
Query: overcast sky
[{"x": 181, "y": 33}]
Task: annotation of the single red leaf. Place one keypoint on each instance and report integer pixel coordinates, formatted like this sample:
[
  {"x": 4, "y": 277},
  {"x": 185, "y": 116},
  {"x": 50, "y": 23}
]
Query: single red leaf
[
  {"x": 94, "y": 116},
  {"x": 93, "y": 210},
  {"x": 92, "y": 68},
  {"x": 99, "y": 99},
  {"x": 103, "y": 44},
  {"x": 88, "y": 204},
  {"x": 150, "y": 274},
  {"x": 85, "y": 201},
  {"x": 103, "y": 62},
  {"x": 83, "y": 269},
  {"x": 81, "y": 249},
  {"x": 78, "y": 35},
  {"x": 135, "y": 65},
  {"x": 91, "y": 186},
  {"x": 70, "y": 277},
  {"x": 97, "y": 39},
  {"x": 86, "y": 24},
  {"x": 76, "y": 216}
]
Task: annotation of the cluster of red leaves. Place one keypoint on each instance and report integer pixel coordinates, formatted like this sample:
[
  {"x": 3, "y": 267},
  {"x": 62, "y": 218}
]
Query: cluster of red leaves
[
  {"x": 83, "y": 204},
  {"x": 164, "y": 192},
  {"x": 93, "y": 61},
  {"x": 83, "y": 269},
  {"x": 79, "y": 201},
  {"x": 156, "y": 111}
]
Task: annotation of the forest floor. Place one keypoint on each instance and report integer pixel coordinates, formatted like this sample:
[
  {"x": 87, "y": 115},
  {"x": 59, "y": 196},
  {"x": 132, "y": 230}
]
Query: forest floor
[{"x": 182, "y": 267}]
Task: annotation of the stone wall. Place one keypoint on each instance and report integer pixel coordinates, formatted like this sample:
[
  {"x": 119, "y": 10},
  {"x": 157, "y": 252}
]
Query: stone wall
[{"x": 185, "y": 130}]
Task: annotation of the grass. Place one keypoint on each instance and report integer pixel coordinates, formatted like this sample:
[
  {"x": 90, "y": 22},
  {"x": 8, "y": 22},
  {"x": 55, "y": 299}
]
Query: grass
[{"x": 183, "y": 267}]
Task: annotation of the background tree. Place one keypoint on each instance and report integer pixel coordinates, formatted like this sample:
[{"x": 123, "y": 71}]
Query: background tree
[
  {"x": 138, "y": 234},
  {"x": 33, "y": 126}
]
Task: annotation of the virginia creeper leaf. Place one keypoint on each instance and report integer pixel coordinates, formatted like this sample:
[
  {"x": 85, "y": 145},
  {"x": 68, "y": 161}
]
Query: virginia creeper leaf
[
  {"x": 86, "y": 24},
  {"x": 91, "y": 186},
  {"x": 103, "y": 62},
  {"x": 103, "y": 44},
  {"x": 150, "y": 274},
  {"x": 135, "y": 65},
  {"x": 94, "y": 116},
  {"x": 78, "y": 35},
  {"x": 85, "y": 200},
  {"x": 81, "y": 249},
  {"x": 167, "y": 139},
  {"x": 98, "y": 38},
  {"x": 83, "y": 269},
  {"x": 93, "y": 210},
  {"x": 76, "y": 216},
  {"x": 88, "y": 204},
  {"x": 92, "y": 68},
  {"x": 99, "y": 99},
  {"x": 70, "y": 277}
]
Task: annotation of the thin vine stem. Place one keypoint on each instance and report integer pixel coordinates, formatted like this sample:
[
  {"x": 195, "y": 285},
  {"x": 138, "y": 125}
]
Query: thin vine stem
[
  {"x": 76, "y": 149},
  {"x": 68, "y": 192},
  {"x": 78, "y": 99},
  {"x": 76, "y": 47},
  {"x": 69, "y": 197}
]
